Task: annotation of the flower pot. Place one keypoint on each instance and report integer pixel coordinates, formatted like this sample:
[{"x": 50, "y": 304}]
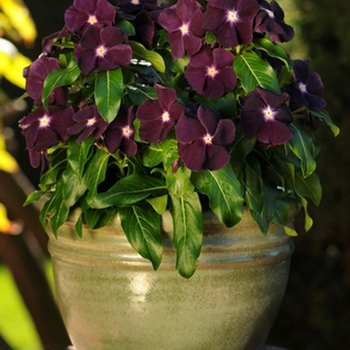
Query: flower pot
[{"x": 111, "y": 298}]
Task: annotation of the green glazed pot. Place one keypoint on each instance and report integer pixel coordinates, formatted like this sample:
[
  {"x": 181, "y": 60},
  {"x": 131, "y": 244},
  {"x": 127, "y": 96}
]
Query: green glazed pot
[{"x": 111, "y": 299}]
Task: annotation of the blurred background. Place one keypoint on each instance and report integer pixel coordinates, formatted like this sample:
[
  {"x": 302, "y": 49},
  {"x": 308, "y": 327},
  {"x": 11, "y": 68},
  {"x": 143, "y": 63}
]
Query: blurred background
[{"x": 315, "y": 314}]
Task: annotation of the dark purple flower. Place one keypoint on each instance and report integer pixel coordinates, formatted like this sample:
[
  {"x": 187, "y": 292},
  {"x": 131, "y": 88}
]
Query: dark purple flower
[
  {"x": 132, "y": 6},
  {"x": 85, "y": 13},
  {"x": 144, "y": 28},
  {"x": 231, "y": 20},
  {"x": 119, "y": 134},
  {"x": 210, "y": 72},
  {"x": 88, "y": 122},
  {"x": 184, "y": 24},
  {"x": 307, "y": 88},
  {"x": 43, "y": 129},
  {"x": 203, "y": 140},
  {"x": 271, "y": 19},
  {"x": 266, "y": 116},
  {"x": 158, "y": 116},
  {"x": 35, "y": 76},
  {"x": 102, "y": 49},
  {"x": 47, "y": 42}
]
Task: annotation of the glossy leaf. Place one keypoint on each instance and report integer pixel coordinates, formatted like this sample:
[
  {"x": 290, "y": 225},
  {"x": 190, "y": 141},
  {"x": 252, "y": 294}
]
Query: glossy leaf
[
  {"x": 178, "y": 183},
  {"x": 323, "y": 114},
  {"x": 73, "y": 187},
  {"x": 141, "y": 53},
  {"x": 109, "y": 89},
  {"x": 142, "y": 228},
  {"x": 61, "y": 77},
  {"x": 128, "y": 191},
  {"x": 309, "y": 187},
  {"x": 186, "y": 212},
  {"x": 224, "y": 192},
  {"x": 159, "y": 204},
  {"x": 253, "y": 71},
  {"x": 301, "y": 144},
  {"x": 273, "y": 50}
]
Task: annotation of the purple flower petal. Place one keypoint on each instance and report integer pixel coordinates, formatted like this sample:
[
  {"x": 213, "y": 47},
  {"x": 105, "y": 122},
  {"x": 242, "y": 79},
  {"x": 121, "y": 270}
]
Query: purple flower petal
[
  {"x": 210, "y": 72},
  {"x": 203, "y": 140},
  {"x": 158, "y": 116},
  {"x": 85, "y": 13},
  {"x": 265, "y": 115},
  {"x": 102, "y": 49}
]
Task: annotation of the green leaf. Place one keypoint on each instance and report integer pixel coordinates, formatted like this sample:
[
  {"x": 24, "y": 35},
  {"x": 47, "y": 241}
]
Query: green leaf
[
  {"x": 155, "y": 154},
  {"x": 179, "y": 183},
  {"x": 302, "y": 145},
  {"x": 253, "y": 71},
  {"x": 79, "y": 226},
  {"x": 139, "y": 94},
  {"x": 142, "y": 228},
  {"x": 309, "y": 187},
  {"x": 129, "y": 191},
  {"x": 186, "y": 212},
  {"x": 50, "y": 176},
  {"x": 95, "y": 173},
  {"x": 73, "y": 187},
  {"x": 159, "y": 204},
  {"x": 141, "y": 53},
  {"x": 59, "y": 77},
  {"x": 224, "y": 192},
  {"x": 77, "y": 154},
  {"x": 58, "y": 209},
  {"x": 109, "y": 89},
  {"x": 33, "y": 197},
  {"x": 125, "y": 26},
  {"x": 323, "y": 114},
  {"x": 273, "y": 50}
]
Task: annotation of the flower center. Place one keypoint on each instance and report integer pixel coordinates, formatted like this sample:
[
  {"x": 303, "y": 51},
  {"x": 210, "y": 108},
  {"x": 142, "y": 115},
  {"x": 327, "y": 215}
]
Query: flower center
[
  {"x": 135, "y": 2},
  {"x": 44, "y": 121},
  {"x": 90, "y": 122},
  {"x": 101, "y": 51},
  {"x": 232, "y": 16},
  {"x": 302, "y": 87},
  {"x": 92, "y": 19},
  {"x": 212, "y": 71},
  {"x": 126, "y": 131},
  {"x": 165, "y": 117},
  {"x": 184, "y": 29},
  {"x": 270, "y": 13},
  {"x": 207, "y": 139},
  {"x": 268, "y": 113}
]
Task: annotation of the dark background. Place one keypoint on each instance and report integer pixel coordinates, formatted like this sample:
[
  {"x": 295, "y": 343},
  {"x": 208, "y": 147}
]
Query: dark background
[{"x": 315, "y": 314}]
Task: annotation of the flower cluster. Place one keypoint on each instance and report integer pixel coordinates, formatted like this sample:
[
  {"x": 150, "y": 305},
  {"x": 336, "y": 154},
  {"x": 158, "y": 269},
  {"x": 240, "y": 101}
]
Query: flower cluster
[{"x": 148, "y": 107}]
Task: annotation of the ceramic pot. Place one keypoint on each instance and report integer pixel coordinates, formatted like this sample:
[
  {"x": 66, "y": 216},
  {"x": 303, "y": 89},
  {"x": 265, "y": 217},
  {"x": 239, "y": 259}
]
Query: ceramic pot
[{"x": 111, "y": 299}]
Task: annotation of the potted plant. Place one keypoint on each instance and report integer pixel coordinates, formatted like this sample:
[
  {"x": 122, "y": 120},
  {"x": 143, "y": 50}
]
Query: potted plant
[{"x": 146, "y": 116}]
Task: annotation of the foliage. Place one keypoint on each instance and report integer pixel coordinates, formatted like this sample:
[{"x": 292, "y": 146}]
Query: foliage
[{"x": 140, "y": 108}]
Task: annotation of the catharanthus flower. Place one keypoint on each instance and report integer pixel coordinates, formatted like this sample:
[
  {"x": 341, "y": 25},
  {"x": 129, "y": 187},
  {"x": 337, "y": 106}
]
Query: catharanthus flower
[
  {"x": 203, "y": 140},
  {"x": 88, "y": 122},
  {"x": 132, "y": 6},
  {"x": 231, "y": 20},
  {"x": 266, "y": 116},
  {"x": 120, "y": 133},
  {"x": 307, "y": 88},
  {"x": 102, "y": 49},
  {"x": 144, "y": 28},
  {"x": 159, "y": 116},
  {"x": 43, "y": 129},
  {"x": 210, "y": 72},
  {"x": 35, "y": 76},
  {"x": 271, "y": 19},
  {"x": 184, "y": 24},
  {"x": 85, "y": 13}
]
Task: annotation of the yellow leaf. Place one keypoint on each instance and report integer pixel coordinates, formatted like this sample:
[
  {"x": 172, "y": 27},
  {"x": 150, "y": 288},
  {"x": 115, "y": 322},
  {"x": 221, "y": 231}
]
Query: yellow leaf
[
  {"x": 5, "y": 223},
  {"x": 20, "y": 19},
  {"x": 12, "y": 63},
  {"x": 7, "y": 162}
]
